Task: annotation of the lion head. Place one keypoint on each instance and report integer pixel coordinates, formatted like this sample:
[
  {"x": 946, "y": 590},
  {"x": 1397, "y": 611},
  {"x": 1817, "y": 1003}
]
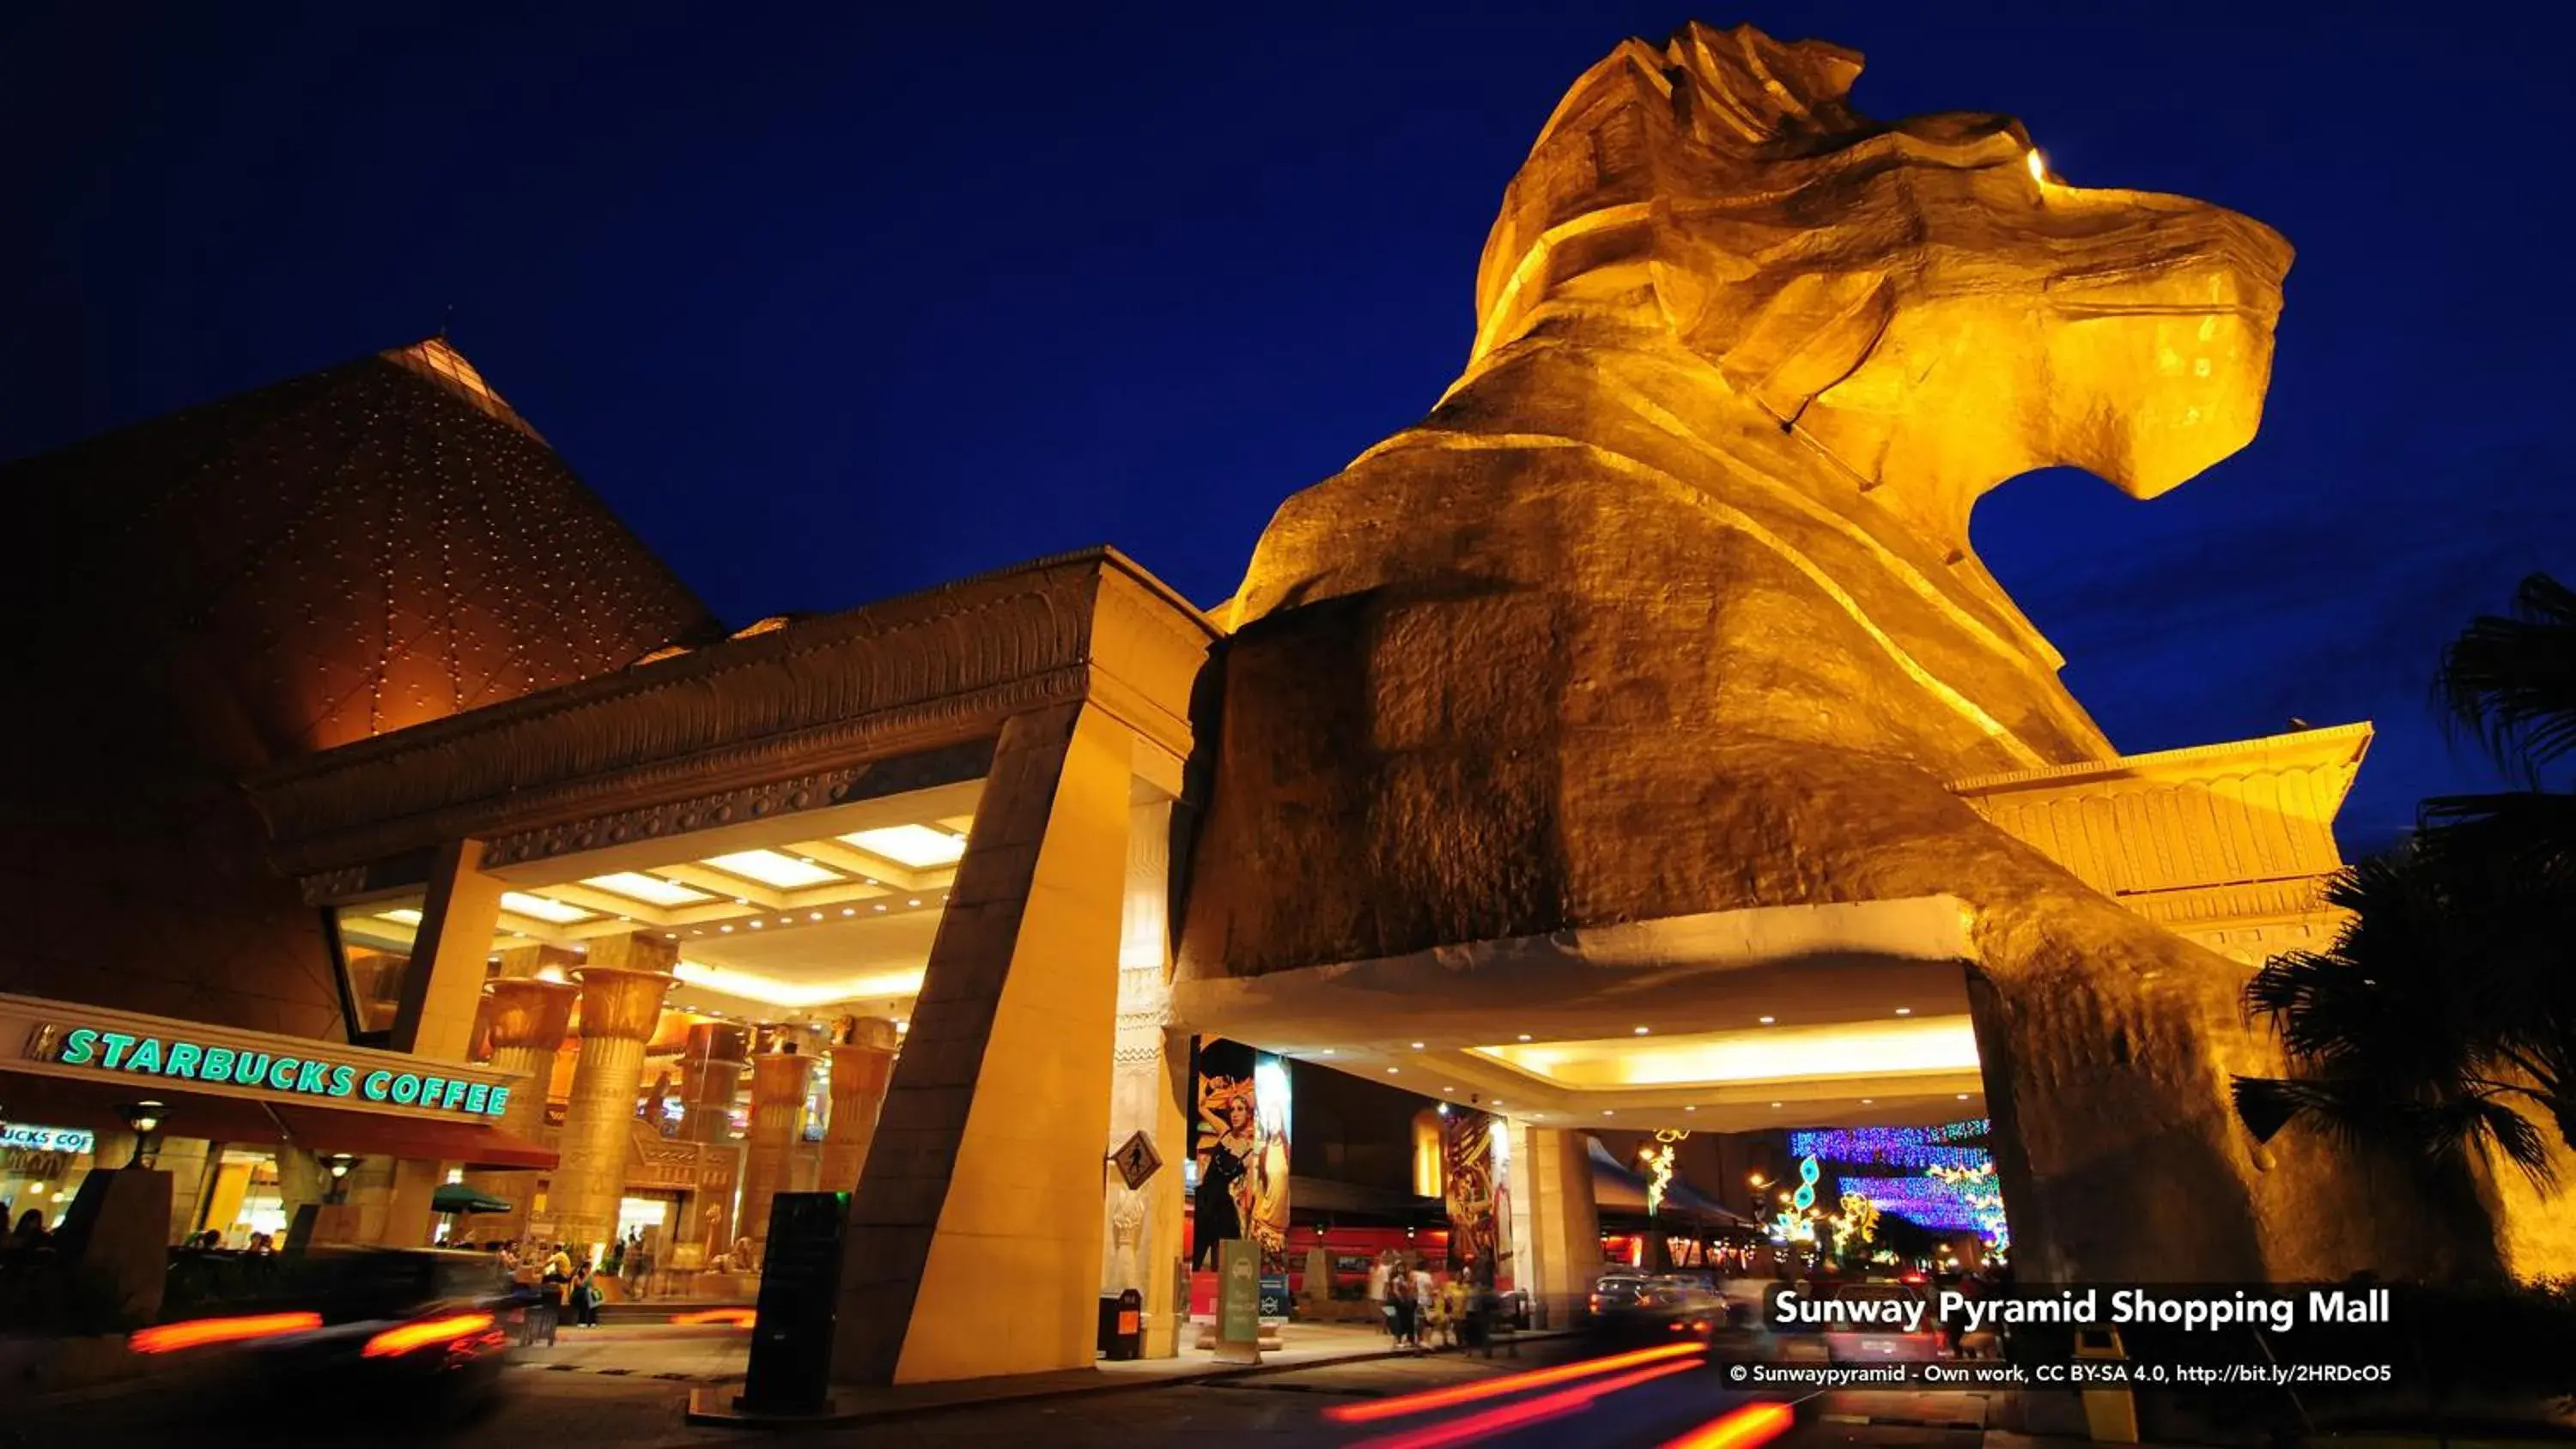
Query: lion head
[{"x": 1924, "y": 301}]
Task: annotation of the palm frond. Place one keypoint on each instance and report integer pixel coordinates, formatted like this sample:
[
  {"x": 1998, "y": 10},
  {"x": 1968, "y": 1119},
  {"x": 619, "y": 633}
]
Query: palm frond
[{"x": 2510, "y": 680}]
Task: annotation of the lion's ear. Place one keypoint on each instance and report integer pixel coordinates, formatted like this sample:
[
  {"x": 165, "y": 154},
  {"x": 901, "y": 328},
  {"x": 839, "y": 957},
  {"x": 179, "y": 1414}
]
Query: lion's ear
[
  {"x": 1810, "y": 335},
  {"x": 1747, "y": 88}
]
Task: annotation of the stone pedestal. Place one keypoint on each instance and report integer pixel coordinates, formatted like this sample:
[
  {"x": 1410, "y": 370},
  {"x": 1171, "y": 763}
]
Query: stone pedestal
[
  {"x": 861, "y": 1067},
  {"x": 778, "y": 1085},
  {"x": 526, "y": 1019},
  {"x": 620, "y": 1005}
]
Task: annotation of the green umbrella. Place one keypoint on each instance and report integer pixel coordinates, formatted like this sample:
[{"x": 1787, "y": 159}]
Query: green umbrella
[{"x": 456, "y": 1197}]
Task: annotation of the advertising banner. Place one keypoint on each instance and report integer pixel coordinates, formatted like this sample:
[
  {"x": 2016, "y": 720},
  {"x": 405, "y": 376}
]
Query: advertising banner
[
  {"x": 1239, "y": 1148},
  {"x": 1469, "y": 1184}
]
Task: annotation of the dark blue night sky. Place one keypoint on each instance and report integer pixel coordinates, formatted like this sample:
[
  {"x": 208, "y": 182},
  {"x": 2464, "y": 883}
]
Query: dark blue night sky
[{"x": 834, "y": 308}]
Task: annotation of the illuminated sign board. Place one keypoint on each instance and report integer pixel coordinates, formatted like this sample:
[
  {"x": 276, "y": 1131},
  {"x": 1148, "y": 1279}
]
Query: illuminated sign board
[
  {"x": 71, "y": 1140},
  {"x": 175, "y": 1059}
]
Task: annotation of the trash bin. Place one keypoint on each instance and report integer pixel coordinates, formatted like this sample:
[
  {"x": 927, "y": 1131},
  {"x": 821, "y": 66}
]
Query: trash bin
[
  {"x": 1122, "y": 1332},
  {"x": 2110, "y": 1412}
]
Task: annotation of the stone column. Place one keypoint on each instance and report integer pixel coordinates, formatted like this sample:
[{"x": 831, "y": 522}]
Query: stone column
[
  {"x": 779, "y": 1081},
  {"x": 860, "y": 1069},
  {"x": 621, "y": 1001},
  {"x": 711, "y": 1068},
  {"x": 1566, "y": 1221},
  {"x": 527, "y": 1018},
  {"x": 987, "y": 1160}
]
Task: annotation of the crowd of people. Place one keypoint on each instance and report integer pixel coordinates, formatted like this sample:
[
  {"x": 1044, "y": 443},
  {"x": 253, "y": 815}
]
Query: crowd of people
[
  {"x": 1423, "y": 1310},
  {"x": 553, "y": 1277}
]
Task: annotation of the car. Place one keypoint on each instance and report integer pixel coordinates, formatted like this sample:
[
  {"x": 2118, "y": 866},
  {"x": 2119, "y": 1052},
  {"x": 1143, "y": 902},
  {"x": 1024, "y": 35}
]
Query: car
[
  {"x": 1616, "y": 1291},
  {"x": 416, "y": 1336},
  {"x": 1883, "y": 1343}
]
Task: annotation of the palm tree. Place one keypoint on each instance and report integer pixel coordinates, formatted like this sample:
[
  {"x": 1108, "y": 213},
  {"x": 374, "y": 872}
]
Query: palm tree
[{"x": 2443, "y": 1017}]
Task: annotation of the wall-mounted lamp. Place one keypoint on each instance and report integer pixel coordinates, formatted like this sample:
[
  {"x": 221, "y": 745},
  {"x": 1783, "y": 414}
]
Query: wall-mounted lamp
[
  {"x": 336, "y": 1169},
  {"x": 145, "y": 1118}
]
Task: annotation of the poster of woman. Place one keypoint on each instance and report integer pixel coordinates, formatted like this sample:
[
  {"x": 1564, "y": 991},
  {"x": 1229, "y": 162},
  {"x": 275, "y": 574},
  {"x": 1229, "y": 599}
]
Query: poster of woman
[
  {"x": 1240, "y": 1146},
  {"x": 1469, "y": 1187}
]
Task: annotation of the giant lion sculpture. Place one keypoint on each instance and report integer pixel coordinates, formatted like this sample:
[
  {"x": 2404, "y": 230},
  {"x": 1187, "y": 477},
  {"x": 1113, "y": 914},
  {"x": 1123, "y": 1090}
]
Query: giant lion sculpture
[{"x": 1668, "y": 607}]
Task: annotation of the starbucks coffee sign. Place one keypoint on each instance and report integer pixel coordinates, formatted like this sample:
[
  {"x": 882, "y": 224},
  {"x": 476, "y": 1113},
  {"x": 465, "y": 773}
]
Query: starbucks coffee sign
[{"x": 68, "y": 1040}]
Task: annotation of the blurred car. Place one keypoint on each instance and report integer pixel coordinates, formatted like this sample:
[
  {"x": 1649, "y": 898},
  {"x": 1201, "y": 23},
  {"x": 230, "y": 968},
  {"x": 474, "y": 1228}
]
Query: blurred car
[
  {"x": 1887, "y": 1342},
  {"x": 400, "y": 1336}
]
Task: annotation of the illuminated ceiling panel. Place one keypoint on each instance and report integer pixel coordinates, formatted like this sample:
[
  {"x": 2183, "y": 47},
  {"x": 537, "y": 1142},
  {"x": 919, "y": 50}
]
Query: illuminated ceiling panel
[
  {"x": 917, "y": 846},
  {"x": 753, "y": 986},
  {"x": 408, "y": 915},
  {"x": 771, "y": 868},
  {"x": 1920, "y": 1045},
  {"x": 520, "y": 903},
  {"x": 652, "y": 890}
]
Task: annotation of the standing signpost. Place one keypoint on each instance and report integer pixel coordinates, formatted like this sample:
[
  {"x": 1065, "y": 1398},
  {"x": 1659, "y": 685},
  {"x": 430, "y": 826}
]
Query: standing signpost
[{"x": 1238, "y": 1301}]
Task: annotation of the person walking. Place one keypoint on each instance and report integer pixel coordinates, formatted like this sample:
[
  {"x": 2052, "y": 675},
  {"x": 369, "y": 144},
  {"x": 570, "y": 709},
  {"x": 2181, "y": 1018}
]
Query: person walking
[
  {"x": 586, "y": 1296},
  {"x": 1405, "y": 1307},
  {"x": 552, "y": 1289}
]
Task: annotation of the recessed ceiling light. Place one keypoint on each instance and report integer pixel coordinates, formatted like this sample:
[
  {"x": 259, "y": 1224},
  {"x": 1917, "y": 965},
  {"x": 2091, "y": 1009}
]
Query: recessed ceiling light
[
  {"x": 1606, "y": 1112},
  {"x": 1766, "y": 1021},
  {"x": 916, "y": 900},
  {"x": 1328, "y": 1051},
  {"x": 1449, "y": 1089},
  {"x": 1963, "y": 1096},
  {"x": 1641, "y": 1031},
  {"x": 697, "y": 930},
  {"x": 670, "y": 935},
  {"x": 728, "y": 930},
  {"x": 1905, "y": 1011},
  {"x": 407, "y": 915},
  {"x": 756, "y": 925},
  {"x": 849, "y": 910},
  {"x": 1775, "y": 1106},
  {"x": 815, "y": 916},
  {"x": 1866, "y": 1101},
  {"x": 881, "y": 905},
  {"x": 1390, "y": 1071},
  {"x": 1525, "y": 1036},
  {"x": 1417, "y": 1046},
  {"x": 1690, "y": 1109}
]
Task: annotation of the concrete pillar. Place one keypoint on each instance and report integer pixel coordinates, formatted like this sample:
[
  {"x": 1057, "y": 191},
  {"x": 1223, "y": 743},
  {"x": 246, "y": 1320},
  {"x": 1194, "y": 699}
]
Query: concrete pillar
[
  {"x": 1565, "y": 1221},
  {"x": 779, "y": 1082},
  {"x": 527, "y": 1019},
  {"x": 450, "y": 954},
  {"x": 187, "y": 1161},
  {"x": 861, "y": 1067},
  {"x": 990, "y": 1146},
  {"x": 621, "y": 1002},
  {"x": 712, "y": 1063},
  {"x": 1147, "y": 1092}
]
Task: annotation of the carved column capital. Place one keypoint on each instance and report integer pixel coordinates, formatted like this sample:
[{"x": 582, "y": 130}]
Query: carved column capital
[
  {"x": 619, "y": 1003},
  {"x": 529, "y": 1013}
]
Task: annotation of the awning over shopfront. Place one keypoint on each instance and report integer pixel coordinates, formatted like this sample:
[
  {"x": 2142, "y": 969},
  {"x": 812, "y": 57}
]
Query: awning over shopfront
[
  {"x": 68, "y": 1102},
  {"x": 458, "y": 1197}
]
